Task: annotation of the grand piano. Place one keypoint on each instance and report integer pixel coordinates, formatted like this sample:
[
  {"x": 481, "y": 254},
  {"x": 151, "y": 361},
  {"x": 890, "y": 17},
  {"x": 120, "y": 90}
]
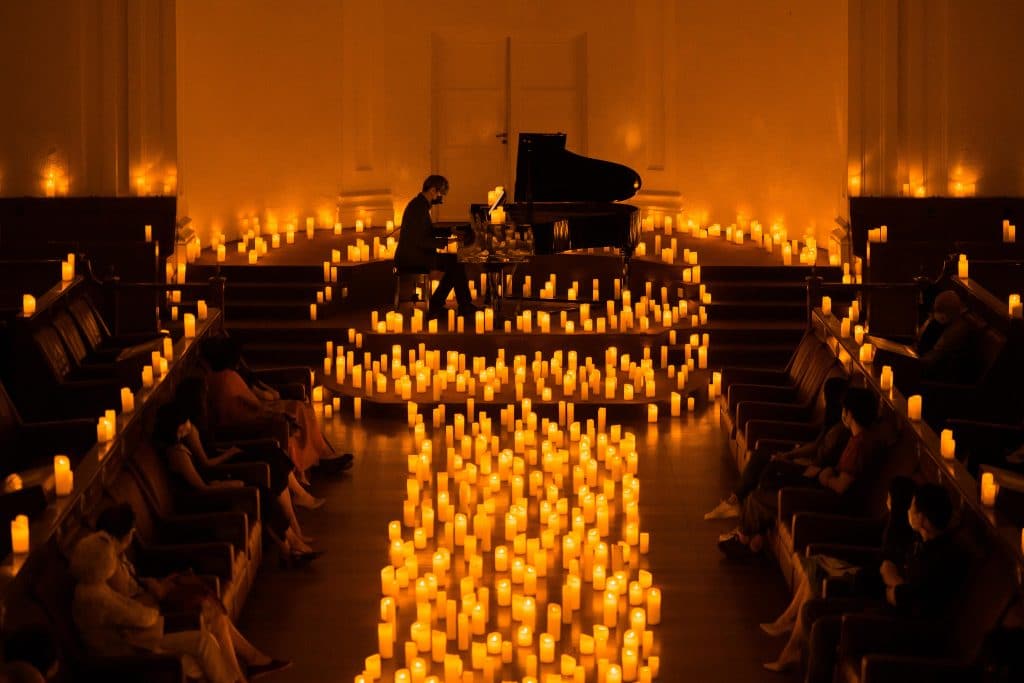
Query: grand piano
[{"x": 570, "y": 201}]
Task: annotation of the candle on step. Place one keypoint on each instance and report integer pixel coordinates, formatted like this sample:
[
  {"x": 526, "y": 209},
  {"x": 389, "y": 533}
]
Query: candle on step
[
  {"x": 914, "y": 407},
  {"x": 19, "y": 535},
  {"x": 149, "y": 233},
  {"x": 147, "y": 376},
  {"x": 127, "y": 400},
  {"x": 62, "y": 476},
  {"x": 947, "y": 444},
  {"x": 202, "y": 311},
  {"x": 190, "y": 326},
  {"x": 67, "y": 271},
  {"x": 962, "y": 267},
  {"x": 28, "y": 305},
  {"x": 989, "y": 489},
  {"x": 312, "y": 311},
  {"x": 1015, "y": 309}
]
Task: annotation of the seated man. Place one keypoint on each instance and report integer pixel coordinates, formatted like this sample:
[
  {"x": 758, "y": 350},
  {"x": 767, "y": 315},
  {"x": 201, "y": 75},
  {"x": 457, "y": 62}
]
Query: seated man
[
  {"x": 857, "y": 462},
  {"x": 417, "y": 249},
  {"x": 943, "y": 343},
  {"x": 925, "y": 585}
]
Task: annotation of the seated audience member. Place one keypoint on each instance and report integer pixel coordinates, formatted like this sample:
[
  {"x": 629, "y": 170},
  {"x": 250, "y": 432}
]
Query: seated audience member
[
  {"x": 30, "y": 656},
  {"x": 924, "y": 585},
  {"x": 896, "y": 542},
  {"x": 112, "y": 624},
  {"x": 177, "y": 592},
  {"x": 232, "y": 404},
  {"x": 177, "y": 441},
  {"x": 191, "y": 396},
  {"x": 787, "y": 466},
  {"x": 943, "y": 343},
  {"x": 859, "y": 457}
]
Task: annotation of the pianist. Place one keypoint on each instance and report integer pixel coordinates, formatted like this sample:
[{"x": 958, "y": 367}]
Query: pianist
[{"x": 417, "y": 249}]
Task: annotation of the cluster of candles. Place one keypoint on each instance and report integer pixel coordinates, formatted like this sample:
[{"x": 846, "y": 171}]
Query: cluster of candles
[
  {"x": 559, "y": 501},
  {"x": 879, "y": 234},
  {"x": 866, "y": 353},
  {"x": 777, "y": 236},
  {"x": 67, "y": 273},
  {"x": 424, "y": 377}
]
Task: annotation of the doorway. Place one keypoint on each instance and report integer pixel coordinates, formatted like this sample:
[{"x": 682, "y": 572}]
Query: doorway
[{"x": 485, "y": 91}]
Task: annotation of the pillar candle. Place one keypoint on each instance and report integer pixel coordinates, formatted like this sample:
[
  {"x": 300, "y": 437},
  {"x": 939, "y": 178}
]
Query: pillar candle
[
  {"x": 28, "y": 305},
  {"x": 62, "y": 475},
  {"x": 190, "y": 325},
  {"x": 127, "y": 400},
  {"x": 19, "y": 535}
]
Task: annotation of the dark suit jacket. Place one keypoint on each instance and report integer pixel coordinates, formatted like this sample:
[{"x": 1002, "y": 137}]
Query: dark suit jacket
[{"x": 417, "y": 249}]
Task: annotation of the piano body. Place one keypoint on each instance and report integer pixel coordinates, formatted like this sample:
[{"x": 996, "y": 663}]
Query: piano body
[{"x": 570, "y": 201}]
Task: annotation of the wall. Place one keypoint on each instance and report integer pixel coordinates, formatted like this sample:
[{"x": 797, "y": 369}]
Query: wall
[
  {"x": 91, "y": 101},
  {"x": 934, "y": 97},
  {"x": 762, "y": 111}
]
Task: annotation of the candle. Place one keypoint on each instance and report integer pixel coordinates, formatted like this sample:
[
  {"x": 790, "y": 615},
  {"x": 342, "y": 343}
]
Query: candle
[
  {"x": 312, "y": 311},
  {"x": 62, "y": 476},
  {"x": 19, "y": 535},
  {"x": 67, "y": 271},
  {"x": 947, "y": 444},
  {"x": 222, "y": 253},
  {"x": 149, "y": 233},
  {"x": 962, "y": 267},
  {"x": 202, "y": 311},
  {"x": 1015, "y": 309},
  {"x": 914, "y": 407},
  {"x": 858, "y": 334},
  {"x": 386, "y": 640},
  {"x": 190, "y": 326},
  {"x": 127, "y": 400},
  {"x": 28, "y": 305},
  {"x": 652, "y": 412},
  {"x": 989, "y": 489},
  {"x": 147, "y": 376},
  {"x": 653, "y": 606}
]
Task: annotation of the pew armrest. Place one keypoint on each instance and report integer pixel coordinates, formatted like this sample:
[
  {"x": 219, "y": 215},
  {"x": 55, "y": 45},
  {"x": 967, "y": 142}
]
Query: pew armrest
[
  {"x": 226, "y": 527},
  {"x": 845, "y": 530},
  {"x": 203, "y": 558},
  {"x": 883, "y": 668},
  {"x": 759, "y": 392},
  {"x": 863, "y": 634},
  {"x": 794, "y": 500}
]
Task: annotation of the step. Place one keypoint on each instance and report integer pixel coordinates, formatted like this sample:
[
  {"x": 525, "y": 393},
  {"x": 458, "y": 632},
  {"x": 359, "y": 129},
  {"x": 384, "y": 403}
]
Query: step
[
  {"x": 237, "y": 292},
  {"x": 756, "y": 332},
  {"x": 768, "y": 311},
  {"x": 258, "y": 273},
  {"x": 273, "y": 310},
  {"x": 758, "y": 291},
  {"x": 718, "y": 274}
]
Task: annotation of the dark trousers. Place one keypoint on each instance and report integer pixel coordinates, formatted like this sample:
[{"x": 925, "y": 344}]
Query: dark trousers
[{"x": 454, "y": 278}]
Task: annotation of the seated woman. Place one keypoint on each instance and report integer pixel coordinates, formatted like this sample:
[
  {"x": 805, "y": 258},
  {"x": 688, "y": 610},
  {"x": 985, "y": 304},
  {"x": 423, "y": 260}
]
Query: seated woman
[
  {"x": 192, "y": 397},
  {"x": 112, "y": 624},
  {"x": 178, "y": 442},
  {"x": 175, "y": 591},
  {"x": 860, "y": 410},
  {"x": 789, "y": 465},
  {"x": 896, "y": 541},
  {"x": 232, "y": 404}
]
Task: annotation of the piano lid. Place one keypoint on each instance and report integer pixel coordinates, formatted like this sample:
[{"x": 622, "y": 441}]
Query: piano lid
[{"x": 547, "y": 172}]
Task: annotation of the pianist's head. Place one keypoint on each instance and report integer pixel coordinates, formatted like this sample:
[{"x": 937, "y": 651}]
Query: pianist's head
[{"x": 435, "y": 187}]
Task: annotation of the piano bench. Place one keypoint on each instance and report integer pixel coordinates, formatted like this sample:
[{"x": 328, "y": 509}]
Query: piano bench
[{"x": 421, "y": 284}]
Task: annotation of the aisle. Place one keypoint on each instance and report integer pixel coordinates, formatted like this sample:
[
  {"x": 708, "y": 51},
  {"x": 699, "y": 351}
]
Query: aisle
[{"x": 325, "y": 617}]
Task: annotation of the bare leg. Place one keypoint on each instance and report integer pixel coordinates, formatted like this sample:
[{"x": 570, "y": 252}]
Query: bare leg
[
  {"x": 300, "y": 495},
  {"x": 246, "y": 650},
  {"x": 218, "y": 628},
  {"x": 793, "y": 652},
  {"x": 295, "y": 543},
  {"x": 788, "y": 618},
  {"x": 285, "y": 501}
]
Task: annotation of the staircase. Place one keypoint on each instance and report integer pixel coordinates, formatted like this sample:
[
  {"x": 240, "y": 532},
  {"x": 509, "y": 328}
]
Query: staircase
[{"x": 757, "y": 314}]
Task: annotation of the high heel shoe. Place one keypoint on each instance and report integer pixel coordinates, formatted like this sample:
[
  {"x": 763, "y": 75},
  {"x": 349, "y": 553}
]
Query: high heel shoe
[
  {"x": 774, "y": 629},
  {"x": 313, "y": 503}
]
